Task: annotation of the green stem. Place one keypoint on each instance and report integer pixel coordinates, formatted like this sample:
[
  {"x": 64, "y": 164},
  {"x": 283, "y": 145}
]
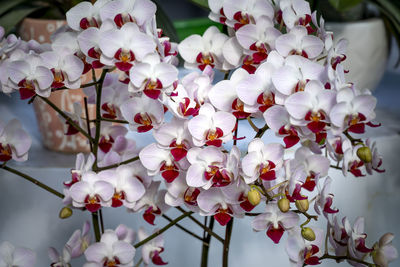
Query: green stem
[
  {"x": 32, "y": 180},
  {"x": 112, "y": 120},
  {"x": 82, "y": 86},
  {"x": 99, "y": 89},
  {"x": 118, "y": 164},
  {"x": 228, "y": 234},
  {"x": 67, "y": 118},
  {"x": 101, "y": 220},
  {"x": 96, "y": 228},
  {"x": 159, "y": 232},
  {"x": 208, "y": 230},
  {"x": 206, "y": 245},
  {"x": 183, "y": 228},
  {"x": 88, "y": 122},
  {"x": 139, "y": 262},
  {"x": 261, "y": 131}
]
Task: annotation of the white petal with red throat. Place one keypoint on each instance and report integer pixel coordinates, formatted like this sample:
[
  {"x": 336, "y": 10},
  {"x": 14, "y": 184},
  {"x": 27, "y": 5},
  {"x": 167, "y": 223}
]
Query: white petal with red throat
[
  {"x": 225, "y": 121},
  {"x": 166, "y": 73},
  {"x": 190, "y": 47},
  {"x": 276, "y": 117},
  {"x": 285, "y": 79},
  {"x": 250, "y": 165},
  {"x": 123, "y": 251},
  {"x": 298, "y": 105},
  {"x": 339, "y": 113},
  {"x": 80, "y": 190},
  {"x": 104, "y": 189},
  {"x": 198, "y": 126},
  {"x": 139, "y": 73},
  {"x": 18, "y": 138},
  {"x": 210, "y": 200},
  {"x": 232, "y": 51},
  {"x": 73, "y": 67},
  {"x": 152, "y": 157},
  {"x": 195, "y": 175},
  {"x": 77, "y": 13},
  {"x": 364, "y": 104},
  {"x": 312, "y": 46},
  {"x": 97, "y": 252}
]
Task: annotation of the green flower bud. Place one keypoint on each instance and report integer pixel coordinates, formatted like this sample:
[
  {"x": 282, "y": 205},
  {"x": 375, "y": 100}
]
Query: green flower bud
[
  {"x": 65, "y": 213},
  {"x": 302, "y": 205},
  {"x": 284, "y": 204},
  {"x": 254, "y": 197},
  {"x": 308, "y": 233},
  {"x": 365, "y": 154}
]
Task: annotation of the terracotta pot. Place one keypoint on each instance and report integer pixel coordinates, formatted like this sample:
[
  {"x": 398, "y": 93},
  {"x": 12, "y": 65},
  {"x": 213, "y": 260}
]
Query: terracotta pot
[
  {"x": 368, "y": 50},
  {"x": 51, "y": 127}
]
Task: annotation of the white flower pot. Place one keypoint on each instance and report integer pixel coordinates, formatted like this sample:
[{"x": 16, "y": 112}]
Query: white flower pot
[{"x": 368, "y": 50}]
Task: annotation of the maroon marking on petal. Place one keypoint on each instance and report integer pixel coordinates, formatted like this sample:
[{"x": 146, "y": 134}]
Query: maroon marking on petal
[
  {"x": 149, "y": 216},
  {"x": 217, "y": 143},
  {"x": 153, "y": 93},
  {"x": 316, "y": 126},
  {"x": 291, "y": 140},
  {"x": 320, "y": 138},
  {"x": 94, "y": 53},
  {"x": 105, "y": 145},
  {"x": 143, "y": 129},
  {"x": 358, "y": 128},
  {"x": 312, "y": 261},
  {"x": 370, "y": 124},
  {"x": 84, "y": 24},
  {"x": 275, "y": 234},
  {"x": 178, "y": 153},
  {"x": 190, "y": 196},
  {"x": 123, "y": 66},
  {"x": 71, "y": 130},
  {"x": 327, "y": 206},
  {"x": 170, "y": 175},
  {"x": 222, "y": 217},
  {"x": 92, "y": 203},
  {"x": 5, "y": 153},
  {"x": 245, "y": 203},
  {"x": 156, "y": 259},
  {"x": 361, "y": 246},
  {"x": 26, "y": 93},
  {"x": 97, "y": 64},
  {"x": 259, "y": 57},
  {"x": 304, "y": 54},
  {"x": 268, "y": 176},
  {"x": 116, "y": 202},
  {"x": 309, "y": 184},
  {"x": 250, "y": 68}
]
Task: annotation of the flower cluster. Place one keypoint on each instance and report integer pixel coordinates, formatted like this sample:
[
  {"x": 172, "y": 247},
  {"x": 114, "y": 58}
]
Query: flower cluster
[{"x": 282, "y": 69}]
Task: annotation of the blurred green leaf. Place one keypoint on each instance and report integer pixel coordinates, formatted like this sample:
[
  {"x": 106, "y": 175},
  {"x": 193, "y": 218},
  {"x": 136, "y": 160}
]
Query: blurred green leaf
[
  {"x": 343, "y": 5},
  {"x": 7, "y": 5},
  {"x": 12, "y": 18},
  {"x": 202, "y": 3},
  {"x": 392, "y": 8},
  {"x": 165, "y": 23}
]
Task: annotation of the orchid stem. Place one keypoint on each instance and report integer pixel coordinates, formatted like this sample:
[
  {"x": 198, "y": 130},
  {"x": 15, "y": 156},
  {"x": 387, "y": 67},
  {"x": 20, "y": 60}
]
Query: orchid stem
[
  {"x": 184, "y": 229},
  {"x": 101, "y": 221},
  {"x": 82, "y": 86},
  {"x": 255, "y": 128},
  {"x": 112, "y": 120},
  {"x": 261, "y": 131},
  {"x": 88, "y": 121},
  {"x": 208, "y": 230},
  {"x": 99, "y": 90},
  {"x": 32, "y": 180},
  {"x": 139, "y": 262},
  {"x": 118, "y": 164},
  {"x": 228, "y": 234},
  {"x": 96, "y": 228},
  {"x": 159, "y": 232},
  {"x": 67, "y": 118},
  {"x": 207, "y": 240}
]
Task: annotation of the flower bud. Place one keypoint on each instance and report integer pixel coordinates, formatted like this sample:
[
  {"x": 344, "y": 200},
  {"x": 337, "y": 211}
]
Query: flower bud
[
  {"x": 302, "y": 205},
  {"x": 65, "y": 213},
  {"x": 254, "y": 197},
  {"x": 364, "y": 153},
  {"x": 284, "y": 204},
  {"x": 308, "y": 233}
]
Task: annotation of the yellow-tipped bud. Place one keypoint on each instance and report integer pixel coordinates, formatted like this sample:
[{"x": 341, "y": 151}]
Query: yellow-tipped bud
[
  {"x": 302, "y": 205},
  {"x": 284, "y": 204},
  {"x": 308, "y": 234},
  {"x": 254, "y": 197},
  {"x": 365, "y": 154},
  {"x": 65, "y": 213}
]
